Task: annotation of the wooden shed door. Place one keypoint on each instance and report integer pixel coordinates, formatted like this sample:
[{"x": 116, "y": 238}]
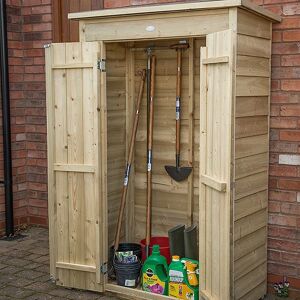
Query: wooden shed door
[
  {"x": 75, "y": 112},
  {"x": 215, "y": 164}
]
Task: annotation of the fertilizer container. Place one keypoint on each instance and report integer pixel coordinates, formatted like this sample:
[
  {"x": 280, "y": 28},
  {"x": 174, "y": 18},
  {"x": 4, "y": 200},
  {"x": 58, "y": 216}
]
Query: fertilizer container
[
  {"x": 127, "y": 274},
  {"x": 164, "y": 247}
]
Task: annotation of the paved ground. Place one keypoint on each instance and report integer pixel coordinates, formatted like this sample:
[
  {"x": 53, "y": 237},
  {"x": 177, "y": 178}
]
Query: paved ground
[{"x": 24, "y": 271}]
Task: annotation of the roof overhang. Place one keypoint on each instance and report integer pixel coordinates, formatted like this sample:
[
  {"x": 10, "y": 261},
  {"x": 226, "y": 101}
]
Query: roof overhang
[{"x": 178, "y": 7}]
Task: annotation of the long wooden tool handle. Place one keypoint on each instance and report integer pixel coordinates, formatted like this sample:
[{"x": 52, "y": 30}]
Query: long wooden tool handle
[
  {"x": 149, "y": 156},
  {"x": 178, "y": 104},
  {"x": 129, "y": 161}
]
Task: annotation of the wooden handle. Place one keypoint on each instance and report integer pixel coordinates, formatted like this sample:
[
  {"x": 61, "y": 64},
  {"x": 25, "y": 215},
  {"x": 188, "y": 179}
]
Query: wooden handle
[
  {"x": 149, "y": 154},
  {"x": 178, "y": 100},
  {"x": 129, "y": 161}
]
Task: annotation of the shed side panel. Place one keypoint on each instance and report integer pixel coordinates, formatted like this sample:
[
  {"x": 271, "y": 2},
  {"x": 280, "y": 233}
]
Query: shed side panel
[{"x": 251, "y": 155}]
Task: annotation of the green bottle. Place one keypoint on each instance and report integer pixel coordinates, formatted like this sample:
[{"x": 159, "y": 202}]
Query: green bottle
[{"x": 155, "y": 273}]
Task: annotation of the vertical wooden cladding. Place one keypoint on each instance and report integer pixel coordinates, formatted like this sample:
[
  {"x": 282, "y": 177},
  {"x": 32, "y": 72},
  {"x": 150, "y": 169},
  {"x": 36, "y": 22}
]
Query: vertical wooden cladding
[
  {"x": 73, "y": 158},
  {"x": 216, "y": 81},
  {"x": 251, "y": 155},
  {"x": 65, "y": 30}
]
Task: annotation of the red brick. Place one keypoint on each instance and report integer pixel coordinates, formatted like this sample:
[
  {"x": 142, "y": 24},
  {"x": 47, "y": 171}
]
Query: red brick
[
  {"x": 45, "y": 9},
  {"x": 290, "y": 60},
  {"x": 289, "y": 184},
  {"x": 291, "y": 9},
  {"x": 275, "y": 231},
  {"x": 290, "y": 209},
  {"x": 291, "y": 35},
  {"x": 116, "y": 3},
  {"x": 290, "y": 110},
  {"x": 283, "y": 220},
  {"x": 290, "y": 135},
  {"x": 288, "y": 23},
  {"x": 281, "y": 269},
  {"x": 283, "y": 123},
  {"x": 284, "y": 171},
  {"x": 290, "y": 85}
]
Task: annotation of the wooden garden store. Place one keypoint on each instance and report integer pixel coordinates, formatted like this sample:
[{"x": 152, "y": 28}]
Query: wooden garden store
[{"x": 92, "y": 88}]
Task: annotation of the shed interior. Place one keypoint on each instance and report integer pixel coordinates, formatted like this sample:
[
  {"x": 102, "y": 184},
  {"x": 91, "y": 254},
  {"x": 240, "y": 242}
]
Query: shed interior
[{"x": 173, "y": 202}]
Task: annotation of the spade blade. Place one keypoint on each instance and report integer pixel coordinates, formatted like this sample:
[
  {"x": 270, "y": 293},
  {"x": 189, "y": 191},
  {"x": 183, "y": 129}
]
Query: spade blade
[{"x": 178, "y": 174}]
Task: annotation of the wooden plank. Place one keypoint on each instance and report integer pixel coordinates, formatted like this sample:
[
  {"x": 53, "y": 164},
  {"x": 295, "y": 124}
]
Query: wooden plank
[
  {"x": 252, "y": 66},
  {"x": 74, "y": 168},
  {"x": 260, "y": 10},
  {"x": 133, "y": 294},
  {"x": 252, "y": 279},
  {"x": 250, "y": 242},
  {"x": 75, "y": 156},
  {"x": 250, "y": 224},
  {"x": 259, "y": 292},
  {"x": 74, "y": 6},
  {"x": 251, "y": 106},
  {"x": 152, "y": 9},
  {"x": 90, "y": 156},
  {"x": 250, "y": 204},
  {"x": 249, "y": 185},
  {"x": 51, "y": 177},
  {"x": 73, "y": 66},
  {"x": 250, "y": 261},
  {"x": 57, "y": 20},
  {"x": 61, "y": 156},
  {"x": 121, "y": 29},
  {"x": 213, "y": 183},
  {"x": 252, "y": 86},
  {"x": 253, "y": 46},
  {"x": 251, "y": 165},
  {"x": 251, "y": 126},
  {"x": 251, "y": 145},
  {"x": 253, "y": 25},
  {"x": 215, "y": 60},
  {"x": 76, "y": 267}
]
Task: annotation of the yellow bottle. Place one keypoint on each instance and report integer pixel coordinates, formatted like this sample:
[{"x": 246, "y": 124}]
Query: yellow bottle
[{"x": 191, "y": 273}]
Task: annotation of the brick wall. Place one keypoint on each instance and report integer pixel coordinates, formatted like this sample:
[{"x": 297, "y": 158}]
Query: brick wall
[
  {"x": 19, "y": 153},
  {"x": 37, "y": 31},
  {"x": 30, "y": 28}
]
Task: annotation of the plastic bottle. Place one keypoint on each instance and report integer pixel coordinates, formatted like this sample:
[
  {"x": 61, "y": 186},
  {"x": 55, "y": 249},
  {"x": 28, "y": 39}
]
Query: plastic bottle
[
  {"x": 155, "y": 273},
  {"x": 176, "y": 277}
]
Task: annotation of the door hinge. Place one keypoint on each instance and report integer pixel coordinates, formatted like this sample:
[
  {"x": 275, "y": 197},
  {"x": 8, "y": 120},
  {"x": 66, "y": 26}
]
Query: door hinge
[
  {"x": 101, "y": 65},
  {"x": 103, "y": 268}
]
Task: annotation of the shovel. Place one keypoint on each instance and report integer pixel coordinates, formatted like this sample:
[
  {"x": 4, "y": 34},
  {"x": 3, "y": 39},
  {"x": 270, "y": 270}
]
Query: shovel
[{"x": 176, "y": 172}]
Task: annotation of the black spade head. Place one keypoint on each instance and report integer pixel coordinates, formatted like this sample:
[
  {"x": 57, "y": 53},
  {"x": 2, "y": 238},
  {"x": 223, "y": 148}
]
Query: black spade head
[{"x": 178, "y": 174}]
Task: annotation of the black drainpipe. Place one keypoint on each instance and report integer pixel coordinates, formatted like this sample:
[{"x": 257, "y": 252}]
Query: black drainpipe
[{"x": 9, "y": 214}]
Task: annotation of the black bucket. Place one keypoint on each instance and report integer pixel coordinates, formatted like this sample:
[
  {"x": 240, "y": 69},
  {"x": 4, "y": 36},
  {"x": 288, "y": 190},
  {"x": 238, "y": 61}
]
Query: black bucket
[
  {"x": 128, "y": 274},
  {"x": 136, "y": 248}
]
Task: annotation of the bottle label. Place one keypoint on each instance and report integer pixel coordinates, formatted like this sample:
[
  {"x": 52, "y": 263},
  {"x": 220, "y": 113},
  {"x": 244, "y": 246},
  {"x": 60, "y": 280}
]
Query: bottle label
[
  {"x": 152, "y": 283},
  {"x": 130, "y": 282}
]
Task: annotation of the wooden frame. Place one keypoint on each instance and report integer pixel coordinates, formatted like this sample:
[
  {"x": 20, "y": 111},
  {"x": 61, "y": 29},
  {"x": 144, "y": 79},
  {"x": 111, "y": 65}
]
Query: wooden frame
[{"x": 226, "y": 136}]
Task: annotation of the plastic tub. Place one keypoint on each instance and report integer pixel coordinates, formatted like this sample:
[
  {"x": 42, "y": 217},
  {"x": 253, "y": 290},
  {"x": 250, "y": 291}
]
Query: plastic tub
[
  {"x": 164, "y": 247},
  {"x": 136, "y": 248},
  {"x": 127, "y": 274}
]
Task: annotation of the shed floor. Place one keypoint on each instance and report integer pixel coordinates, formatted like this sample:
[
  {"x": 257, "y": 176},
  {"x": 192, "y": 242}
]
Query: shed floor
[{"x": 24, "y": 271}]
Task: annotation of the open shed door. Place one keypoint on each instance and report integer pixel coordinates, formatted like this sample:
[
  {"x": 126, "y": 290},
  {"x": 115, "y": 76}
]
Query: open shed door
[
  {"x": 76, "y": 117},
  {"x": 215, "y": 164}
]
